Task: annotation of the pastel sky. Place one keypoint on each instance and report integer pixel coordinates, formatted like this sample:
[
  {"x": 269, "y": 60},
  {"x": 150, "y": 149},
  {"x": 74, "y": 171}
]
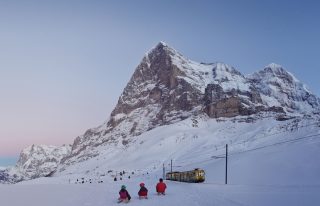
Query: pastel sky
[{"x": 63, "y": 64}]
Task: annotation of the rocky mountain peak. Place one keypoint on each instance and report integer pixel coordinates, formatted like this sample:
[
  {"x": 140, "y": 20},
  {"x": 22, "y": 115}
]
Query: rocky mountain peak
[
  {"x": 167, "y": 87},
  {"x": 158, "y": 91},
  {"x": 162, "y": 45},
  {"x": 277, "y": 70},
  {"x": 274, "y": 72},
  {"x": 161, "y": 49},
  {"x": 280, "y": 87},
  {"x": 274, "y": 66}
]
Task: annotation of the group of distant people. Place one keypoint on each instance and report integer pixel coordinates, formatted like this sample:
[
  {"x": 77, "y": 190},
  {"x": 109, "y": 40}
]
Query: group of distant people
[{"x": 143, "y": 192}]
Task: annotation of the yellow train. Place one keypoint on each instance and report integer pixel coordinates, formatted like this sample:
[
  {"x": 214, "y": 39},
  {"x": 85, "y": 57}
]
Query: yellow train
[{"x": 196, "y": 175}]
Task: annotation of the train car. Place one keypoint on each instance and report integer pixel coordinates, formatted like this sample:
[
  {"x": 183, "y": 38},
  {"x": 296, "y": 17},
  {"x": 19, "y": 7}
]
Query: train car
[
  {"x": 196, "y": 175},
  {"x": 175, "y": 176}
]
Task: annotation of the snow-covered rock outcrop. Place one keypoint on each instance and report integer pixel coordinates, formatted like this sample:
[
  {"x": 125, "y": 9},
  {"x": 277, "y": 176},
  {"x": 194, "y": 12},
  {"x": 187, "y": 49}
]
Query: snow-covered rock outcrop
[{"x": 37, "y": 161}]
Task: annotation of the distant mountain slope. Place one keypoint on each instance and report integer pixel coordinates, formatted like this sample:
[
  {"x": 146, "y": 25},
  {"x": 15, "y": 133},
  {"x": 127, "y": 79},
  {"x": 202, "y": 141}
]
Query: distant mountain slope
[
  {"x": 37, "y": 161},
  {"x": 280, "y": 88},
  {"x": 199, "y": 141}
]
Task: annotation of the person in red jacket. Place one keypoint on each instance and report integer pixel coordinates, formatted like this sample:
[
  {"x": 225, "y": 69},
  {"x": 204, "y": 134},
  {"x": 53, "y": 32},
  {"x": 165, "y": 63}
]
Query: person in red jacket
[
  {"x": 124, "y": 195},
  {"x": 143, "y": 192},
  {"x": 161, "y": 187}
]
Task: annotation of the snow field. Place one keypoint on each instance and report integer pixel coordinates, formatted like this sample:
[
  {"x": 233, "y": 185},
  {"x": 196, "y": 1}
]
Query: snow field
[
  {"x": 274, "y": 174},
  {"x": 281, "y": 175}
]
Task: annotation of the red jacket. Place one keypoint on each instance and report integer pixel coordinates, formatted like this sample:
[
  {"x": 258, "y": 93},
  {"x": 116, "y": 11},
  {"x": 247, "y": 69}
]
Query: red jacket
[
  {"x": 124, "y": 194},
  {"x": 161, "y": 187},
  {"x": 143, "y": 191}
]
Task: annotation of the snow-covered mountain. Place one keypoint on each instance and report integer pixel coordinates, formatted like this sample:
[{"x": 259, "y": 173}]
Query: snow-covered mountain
[
  {"x": 168, "y": 90},
  {"x": 37, "y": 161},
  {"x": 166, "y": 87},
  {"x": 280, "y": 88}
]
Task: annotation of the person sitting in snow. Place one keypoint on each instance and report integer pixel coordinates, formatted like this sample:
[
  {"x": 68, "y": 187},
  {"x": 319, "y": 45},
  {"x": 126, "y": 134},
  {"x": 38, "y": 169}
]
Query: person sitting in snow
[
  {"x": 143, "y": 192},
  {"x": 124, "y": 195},
  {"x": 161, "y": 187}
]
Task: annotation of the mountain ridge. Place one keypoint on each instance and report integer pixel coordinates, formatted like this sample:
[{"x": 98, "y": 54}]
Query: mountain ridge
[{"x": 167, "y": 87}]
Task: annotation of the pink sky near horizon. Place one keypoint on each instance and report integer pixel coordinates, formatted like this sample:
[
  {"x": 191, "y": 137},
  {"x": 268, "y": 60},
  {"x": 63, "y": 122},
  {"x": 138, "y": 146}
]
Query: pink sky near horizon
[
  {"x": 38, "y": 124},
  {"x": 16, "y": 143},
  {"x": 57, "y": 135}
]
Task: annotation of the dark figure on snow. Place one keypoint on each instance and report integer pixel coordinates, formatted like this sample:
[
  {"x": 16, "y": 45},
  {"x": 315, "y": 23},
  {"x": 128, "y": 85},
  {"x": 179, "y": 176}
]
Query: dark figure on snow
[
  {"x": 143, "y": 192},
  {"x": 124, "y": 195},
  {"x": 161, "y": 187}
]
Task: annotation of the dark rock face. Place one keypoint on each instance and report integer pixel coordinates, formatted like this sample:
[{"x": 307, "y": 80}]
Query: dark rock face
[
  {"x": 228, "y": 107},
  {"x": 156, "y": 82},
  {"x": 213, "y": 92},
  {"x": 219, "y": 103},
  {"x": 4, "y": 177}
]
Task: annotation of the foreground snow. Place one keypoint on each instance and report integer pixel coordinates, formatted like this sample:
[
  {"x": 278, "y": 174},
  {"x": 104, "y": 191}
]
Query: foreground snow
[
  {"x": 177, "y": 194},
  {"x": 285, "y": 174}
]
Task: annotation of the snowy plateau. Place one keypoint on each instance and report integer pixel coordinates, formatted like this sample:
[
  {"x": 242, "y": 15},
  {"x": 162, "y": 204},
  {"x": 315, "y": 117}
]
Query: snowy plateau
[{"x": 176, "y": 109}]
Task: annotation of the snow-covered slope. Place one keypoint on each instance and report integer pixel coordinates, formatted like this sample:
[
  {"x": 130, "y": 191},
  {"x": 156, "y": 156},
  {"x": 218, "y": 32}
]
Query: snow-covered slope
[
  {"x": 193, "y": 141},
  {"x": 269, "y": 163}
]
